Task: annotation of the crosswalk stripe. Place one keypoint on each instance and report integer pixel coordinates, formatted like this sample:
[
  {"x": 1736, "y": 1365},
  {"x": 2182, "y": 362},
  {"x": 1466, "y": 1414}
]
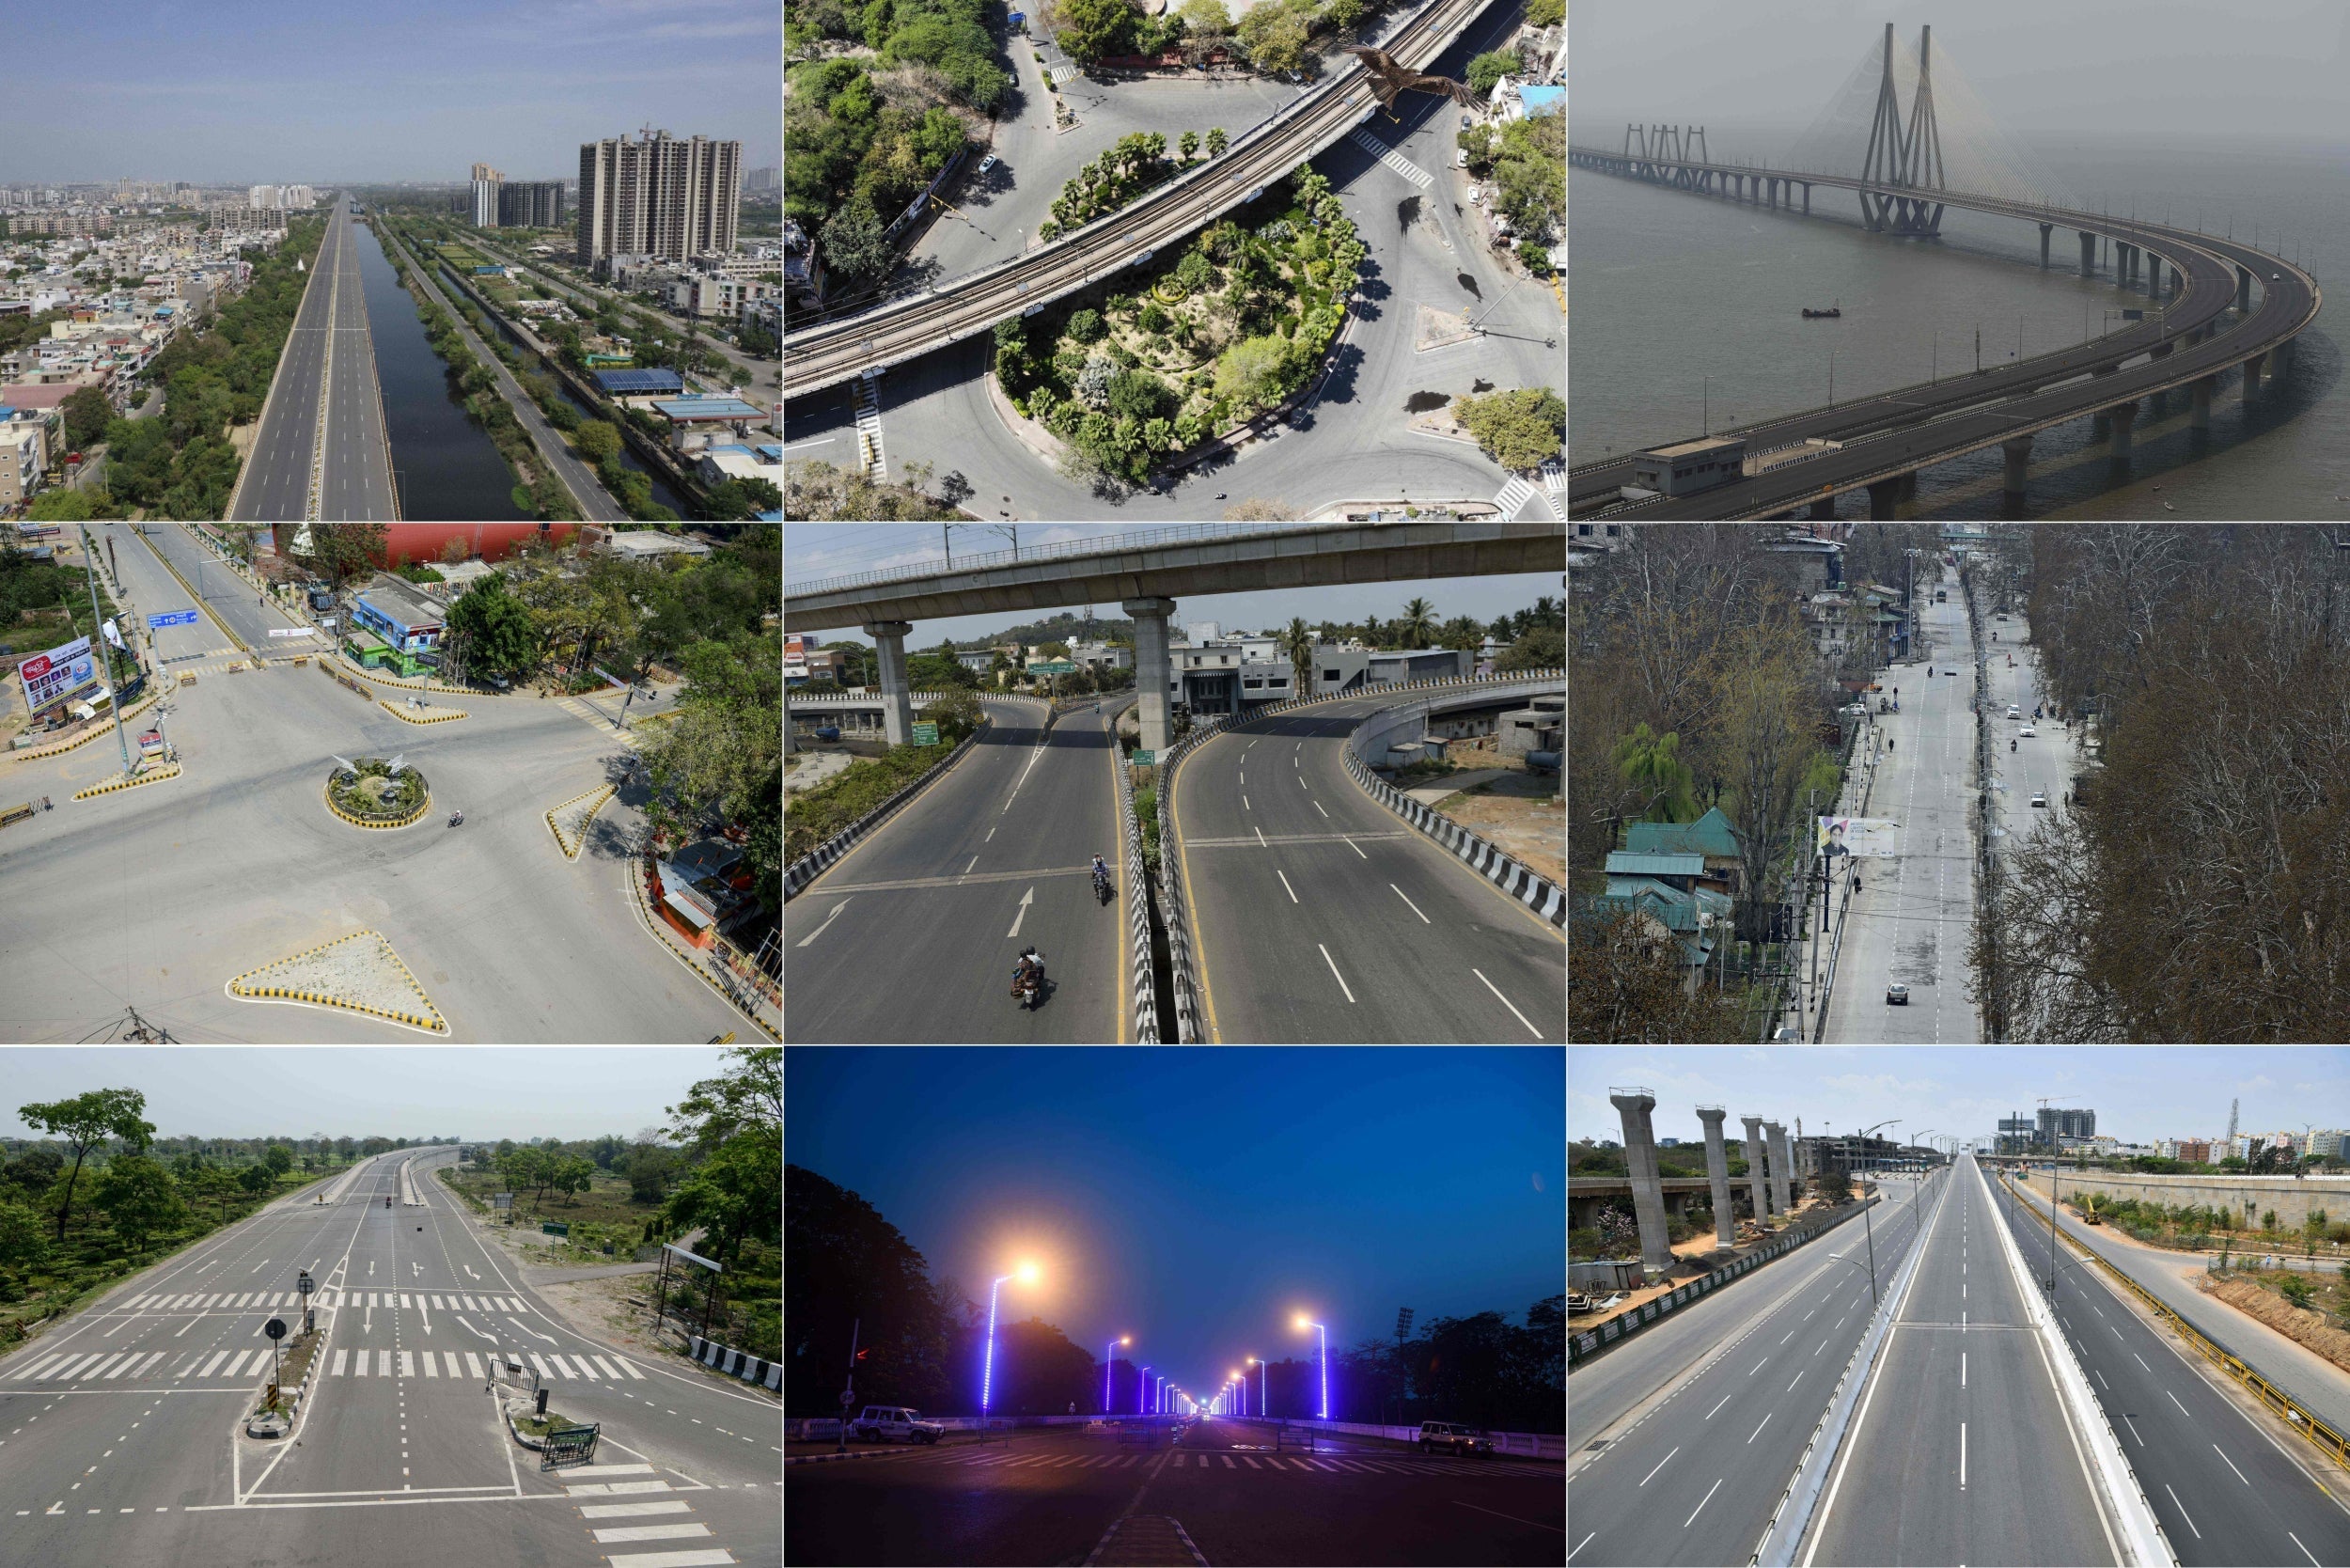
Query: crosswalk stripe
[
  {"x": 632, "y": 1511},
  {"x": 341, "y": 1357},
  {"x": 560, "y": 1365},
  {"x": 218, "y": 1357},
  {"x": 383, "y": 1363},
  {"x": 680, "y": 1530},
  {"x": 630, "y": 1368},
  {"x": 609, "y": 1369},
  {"x": 473, "y": 1367},
  {"x": 403, "y": 1301},
  {"x": 469, "y": 1304},
  {"x": 716, "y": 1557},
  {"x": 436, "y": 1304},
  {"x": 407, "y": 1363},
  {"x": 535, "y": 1362},
  {"x": 36, "y": 1370},
  {"x": 359, "y": 1365}
]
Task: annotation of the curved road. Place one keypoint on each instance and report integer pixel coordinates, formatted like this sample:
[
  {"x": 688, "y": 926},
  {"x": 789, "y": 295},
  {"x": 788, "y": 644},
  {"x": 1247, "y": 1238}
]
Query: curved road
[
  {"x": 1912, "y": 427},
  {"x": 338, "y": 439},
  {"x": 1318, "y": 915}
]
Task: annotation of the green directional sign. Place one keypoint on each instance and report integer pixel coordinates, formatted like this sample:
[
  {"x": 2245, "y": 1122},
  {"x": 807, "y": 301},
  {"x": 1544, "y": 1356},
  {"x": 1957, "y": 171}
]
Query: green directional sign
[
  {"x": 926, "y": 733},
  {"x": 1053, "y": 666},
  {"x": 1143, "y": 758}
]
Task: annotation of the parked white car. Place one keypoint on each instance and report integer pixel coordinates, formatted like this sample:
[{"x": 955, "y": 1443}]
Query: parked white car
[
  {"x": 1452, "y": 1436},
  {"x": 895, "y": 1423}
]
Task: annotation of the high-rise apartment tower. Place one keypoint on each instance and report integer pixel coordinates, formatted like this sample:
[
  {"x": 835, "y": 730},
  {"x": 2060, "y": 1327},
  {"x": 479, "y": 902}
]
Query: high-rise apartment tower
[{"x": 658, "y": 195}]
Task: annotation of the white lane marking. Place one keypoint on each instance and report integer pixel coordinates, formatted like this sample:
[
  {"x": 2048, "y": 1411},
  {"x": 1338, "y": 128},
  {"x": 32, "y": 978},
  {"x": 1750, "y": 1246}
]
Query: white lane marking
[
  {"x": 1285, "y": 885},
  {"x": 1352, "y": 845},
  {"x": 1333, "y": 972},
  {"x": 1261, "y": 844},
  {"x": 1407, "y": 899},
  {"x": 966, "y": 871},
  {"x": 1505, "y": 1001},
  {"x": 820, "y": 930}
]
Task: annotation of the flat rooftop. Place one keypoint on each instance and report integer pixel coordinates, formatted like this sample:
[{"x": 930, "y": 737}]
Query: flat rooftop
[{"x": 1694, "y": 448}]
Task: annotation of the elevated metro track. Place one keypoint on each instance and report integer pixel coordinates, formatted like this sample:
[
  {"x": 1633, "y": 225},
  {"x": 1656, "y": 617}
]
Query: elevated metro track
[
  {"x": 916, "y": 325},
  {"x": 2208, "y": 325}
]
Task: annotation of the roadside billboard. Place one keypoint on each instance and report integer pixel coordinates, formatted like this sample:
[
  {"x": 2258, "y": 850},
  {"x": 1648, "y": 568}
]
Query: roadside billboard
[
  {"x": 56, "y": 674},
  {"x": 1862, "y": 835}
]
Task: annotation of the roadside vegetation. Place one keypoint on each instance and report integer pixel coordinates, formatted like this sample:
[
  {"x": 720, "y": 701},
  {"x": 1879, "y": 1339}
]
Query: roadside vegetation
[
  {"x": 862, "y": 139},
  {"x": 1527, "y": 161},
  {"x": 818, "y": 492},
  {"x": 1231, "y": 325},
  {"x": 1518, "y": 430}
]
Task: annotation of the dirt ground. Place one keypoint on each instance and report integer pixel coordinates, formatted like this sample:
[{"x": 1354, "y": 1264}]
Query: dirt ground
[{"x": 1523, "y": 813}]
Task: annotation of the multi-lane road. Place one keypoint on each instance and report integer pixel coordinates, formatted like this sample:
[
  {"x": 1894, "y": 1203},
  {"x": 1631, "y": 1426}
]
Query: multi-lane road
[
  {"x": 321, "y": 452},
  {"x": 122, "y": 1427},
  {"x": 1224, "y": 1491}
]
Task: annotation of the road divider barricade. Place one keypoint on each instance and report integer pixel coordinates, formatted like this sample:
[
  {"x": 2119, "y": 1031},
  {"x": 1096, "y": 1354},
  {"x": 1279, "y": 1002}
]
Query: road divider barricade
[
  {"x": 1141, "y": 972},
  {"x": 805, "y": 869},
  {"x": 423, "y": 1015},
  {"x": 410, "y": 716},
  {"x": 28, "y": 809},
  {"x": 1539, "y": 894},
  {"x": 578, "y": 815},
  {"x": 742, "y": 1364},
  {"x": 169, "y": 770}
]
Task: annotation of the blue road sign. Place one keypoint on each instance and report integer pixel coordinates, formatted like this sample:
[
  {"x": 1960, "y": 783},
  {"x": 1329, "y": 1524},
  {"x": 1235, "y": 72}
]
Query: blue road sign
[
  {"x": 174, "y": 618},
  {"x": 1018, "y": 17}
]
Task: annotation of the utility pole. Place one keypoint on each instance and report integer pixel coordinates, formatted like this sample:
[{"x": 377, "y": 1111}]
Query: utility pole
[{"x": 2052, "y": 1206}]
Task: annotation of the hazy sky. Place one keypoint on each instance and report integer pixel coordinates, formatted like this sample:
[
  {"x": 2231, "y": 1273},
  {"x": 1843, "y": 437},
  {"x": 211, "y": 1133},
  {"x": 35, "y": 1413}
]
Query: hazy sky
[
  {"x": 466, "y": 1092},
  {"x": 813, "y": 551},
  {"x": 270, "y": 91},
  {"x": 2140, "y": 1093},
  {"x": 1198, "y": 1199},
  {"x": 2171, "y": 68}
]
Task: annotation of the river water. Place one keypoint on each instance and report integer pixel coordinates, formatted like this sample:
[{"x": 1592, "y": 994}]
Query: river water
[{"x": 1687, "y": 312}]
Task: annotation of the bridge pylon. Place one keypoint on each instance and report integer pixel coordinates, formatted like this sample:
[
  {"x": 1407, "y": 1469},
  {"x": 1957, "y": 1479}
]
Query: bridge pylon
[{"x": 1911, "y": 157}]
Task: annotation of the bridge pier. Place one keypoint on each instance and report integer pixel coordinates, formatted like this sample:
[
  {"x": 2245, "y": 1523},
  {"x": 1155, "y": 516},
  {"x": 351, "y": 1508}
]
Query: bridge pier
[
  {"x": 889, "y": 653},
  {"x": 1825, "y": 507},
  {"x": 2281, "y": 357},
  {"x": 2154, "y": 274},
  {"x": 1881, "y": 496},
  {"x": 2100, "y": 424},
  {"x": 1806, "y": 198},
  {"x": 2121, "y": 256},
  {"x": 1151, "y": 669},
  {"x": 2122, "y": 417},
  {"x": 2019, "y": 452},
  {"x": 2243, "y": 292},
  {"x": 2199, "y": 418},
  {"x": 2045, "y": 230},
  {"x": 2253, "y": 378},
  {"x": 2089, "y": 254}
]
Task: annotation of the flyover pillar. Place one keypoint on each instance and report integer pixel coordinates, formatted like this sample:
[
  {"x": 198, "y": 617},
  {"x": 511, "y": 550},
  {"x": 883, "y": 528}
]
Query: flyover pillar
[
  {"x": 1648, "y": 1187},
  {"x": 2123, "y": 256},
  {"x": 1151, "y": 675},
  {"x": 2243, "y": 292},
  {"x": 1758, "y": 1190},
  {"x": 1806, "y": 198},
  {"x": 1717, "y": 1177},
  {"x": 1781, "y": 1171},
  {"x": 2252, "y": 377},
  {"x": 2154, "y": 274},
  {"x": 2019, "y": 451},
  {"x": 2199, "y": 418},
  {"x": 2045, "y": 230},
  {"x": 1823, "y": 506},
  {"x": 1883, "y": 496},
  {"x": 889, "y": 652},
  {"x": 2089, "y": 254},
  {"x": 2122, "y": 415}
]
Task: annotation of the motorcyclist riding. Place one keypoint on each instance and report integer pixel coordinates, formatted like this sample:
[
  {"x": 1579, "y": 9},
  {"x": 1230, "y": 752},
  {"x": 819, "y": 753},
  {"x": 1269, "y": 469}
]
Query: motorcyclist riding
[{"x": 1029, "y": 976}]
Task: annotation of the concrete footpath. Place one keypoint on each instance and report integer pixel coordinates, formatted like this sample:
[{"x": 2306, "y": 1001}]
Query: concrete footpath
[{"x": 2169, "y": 1277}]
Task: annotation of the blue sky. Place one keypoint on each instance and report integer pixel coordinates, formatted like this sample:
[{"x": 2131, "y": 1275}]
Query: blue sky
[
  {"x": 2139, "y": 1092},
  {"x": 270, "y": 92},
  {"x": 1198, "y": 1199},
  {"x": 815, "y": 551}
]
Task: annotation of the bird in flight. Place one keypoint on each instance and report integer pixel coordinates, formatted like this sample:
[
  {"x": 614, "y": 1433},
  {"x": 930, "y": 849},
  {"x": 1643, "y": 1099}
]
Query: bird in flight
[{"x": 1387, "y": 78}]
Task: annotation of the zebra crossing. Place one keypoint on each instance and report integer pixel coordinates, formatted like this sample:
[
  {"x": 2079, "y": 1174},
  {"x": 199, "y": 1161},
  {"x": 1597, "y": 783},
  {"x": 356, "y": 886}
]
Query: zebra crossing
[
  {"x": 867, "y": 398},
  {"x": 455, "y": 1364},
  {"x": 598, "y": 721},
  {"x": 441, "y": 1301},
  {"x": 108, "y": 1366},
  {"x": 651, "y": 1518},
  {"x": 1555, "y": 477},
  {"x": 1391, "y": 157},
  {"x": 1312, "y": 1463}
]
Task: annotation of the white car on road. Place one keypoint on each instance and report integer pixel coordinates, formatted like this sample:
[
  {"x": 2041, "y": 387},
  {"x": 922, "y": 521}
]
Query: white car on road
[{"x": 895, "y": 1423}]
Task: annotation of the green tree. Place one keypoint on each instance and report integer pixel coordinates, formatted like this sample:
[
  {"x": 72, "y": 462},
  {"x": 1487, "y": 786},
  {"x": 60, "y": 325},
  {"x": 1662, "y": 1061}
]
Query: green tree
[
  {"x": 253, "y": 1179},
  {"x": 87, "y": 414},
  {"x": 1092, "y": 29},
  {"x": 1488, "y": 69},
  {"x": 1274, "y": 37},
  {"x": 573, "y": 1175},
  {"x": 62, "y": 505},
  {"x": 596, "y": 440},
  {"x": 1545, "y": 13},
  {"x": 651, "y": 1169},
  {"x": 1205, "y": 18},
  {"x": 853, "y": 241},
  {"x": 84, "y": 1122},
  {"x": 1250, "y": 371},
  {"x": 1518, "y": 429},
  {"x": 278, "y": 1158},
  {"x": 1217, "y": 141},
  {"x": 1085, "y": 326},
  {"x": 1418, "y": 626},
  {"x": 23, "y": 1243},
  {"x": 138, "y": 1198},
  {"x": 1187, "y": 144}
]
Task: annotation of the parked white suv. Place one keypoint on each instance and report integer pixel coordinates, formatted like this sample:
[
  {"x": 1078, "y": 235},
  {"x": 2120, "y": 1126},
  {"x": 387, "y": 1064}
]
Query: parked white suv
[
  {"x": 1452, "y": 1436},
  {"x": 895, "y": 1423}
]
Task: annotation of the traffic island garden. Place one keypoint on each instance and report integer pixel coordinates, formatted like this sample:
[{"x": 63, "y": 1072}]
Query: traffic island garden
[{"x": 1231, "y": 326}]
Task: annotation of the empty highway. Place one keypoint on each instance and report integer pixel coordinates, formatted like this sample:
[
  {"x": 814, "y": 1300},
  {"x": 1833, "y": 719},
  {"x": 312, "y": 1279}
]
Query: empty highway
[{"x": 321, "y": 452}]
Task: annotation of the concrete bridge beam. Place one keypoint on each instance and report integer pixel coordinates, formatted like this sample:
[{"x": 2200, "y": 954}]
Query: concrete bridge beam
[
  {"x": 2253, "y": 378},
  {"x": 889, "y": 652},
  {"x": 2122, "y": 415},
  {"x": 2017, "y": 450}
]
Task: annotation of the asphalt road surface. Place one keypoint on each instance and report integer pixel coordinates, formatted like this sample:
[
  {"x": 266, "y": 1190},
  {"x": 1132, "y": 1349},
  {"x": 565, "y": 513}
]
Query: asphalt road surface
[
  {"x": 237, "y": 863},
  {"x": 124, "y": 1434},
  {"x": 1688, "y": 1434},
  {"x": 1319, "y": 915},
  {"x": 347, "y": 431},
  {"x": 913, "y": 935},
  {"x": 1223, "y": 1488}
]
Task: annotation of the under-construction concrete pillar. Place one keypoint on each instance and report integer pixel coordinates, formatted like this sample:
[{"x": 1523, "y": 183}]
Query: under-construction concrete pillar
[
  {"x": 1782, "y": 1171},
  {"x": 2089, "y": 254},
  {"x": 2199, "y": 418},
  {"x": 1648, "y": 1188},
  {"x": 2019, "y": 451},
  {"x": 2252, "y": 377},
  {"x": 2122, "y": 417},
  {"x": 2045, "y": 230},
  {"x": 1717, "y": 1176},
  {"x": 1882, "y": 496},
  {"x": 1757, "y": 1187}
]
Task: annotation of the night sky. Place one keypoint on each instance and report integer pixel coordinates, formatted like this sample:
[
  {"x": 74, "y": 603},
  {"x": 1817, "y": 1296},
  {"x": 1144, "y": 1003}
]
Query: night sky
[{"x": 1199, "y": 1199}]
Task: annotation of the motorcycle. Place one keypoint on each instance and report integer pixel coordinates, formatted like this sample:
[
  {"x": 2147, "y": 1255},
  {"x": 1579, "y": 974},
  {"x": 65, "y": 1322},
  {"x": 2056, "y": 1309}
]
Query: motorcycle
[
  {"x": 455, "y": 817},
  {"x": 2010, "y": 746},
  {"x": 1028, "y": 977},
  {"x": 1100, "y": 887}
]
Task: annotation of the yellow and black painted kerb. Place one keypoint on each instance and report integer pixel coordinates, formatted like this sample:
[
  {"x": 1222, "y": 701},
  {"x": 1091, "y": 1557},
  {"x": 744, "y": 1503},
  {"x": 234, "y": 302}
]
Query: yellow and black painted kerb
[
  {"x": 571, "y": 846},
  {"x": 407, "y": 717},
  {"x": 652, "y": 922},
  {"x": 171, "y": 771},
  {"x": 327, "y": 793},
  {"x": 429, "y": 1020}
]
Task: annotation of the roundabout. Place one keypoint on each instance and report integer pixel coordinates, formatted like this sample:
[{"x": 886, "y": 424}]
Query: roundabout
[{"x": 377, "y": 793}]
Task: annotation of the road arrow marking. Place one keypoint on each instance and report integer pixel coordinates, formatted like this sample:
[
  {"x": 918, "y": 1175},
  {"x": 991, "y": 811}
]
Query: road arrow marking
[{"x": 1025, "y": 899}]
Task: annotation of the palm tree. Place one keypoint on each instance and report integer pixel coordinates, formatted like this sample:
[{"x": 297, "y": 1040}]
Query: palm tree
[
  {"x": 1298, "y": 642},
  {"x": 1188, "y": 144},
  {"x": 1418, "y": 625},
  {"x": 1217, "y": 142}
]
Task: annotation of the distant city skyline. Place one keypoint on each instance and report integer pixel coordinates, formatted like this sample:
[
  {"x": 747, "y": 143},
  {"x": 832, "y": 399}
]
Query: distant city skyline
[
  {"x": 2140, "y": 1093},
  {"x": 274, "y": 92}
]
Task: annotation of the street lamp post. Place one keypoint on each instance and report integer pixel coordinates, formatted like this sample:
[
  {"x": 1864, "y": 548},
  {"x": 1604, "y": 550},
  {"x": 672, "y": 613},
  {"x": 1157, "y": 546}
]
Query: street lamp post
[
  {"x": 1252, "y": 1361},
  {"x": 1025, "y": 1273},
  {"x": 1140, "y": 1401},
  {"x": 1304, "y": 1322},
  {"x": 1109, "y": 1358}
]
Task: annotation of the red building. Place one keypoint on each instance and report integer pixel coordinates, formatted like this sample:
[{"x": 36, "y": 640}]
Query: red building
[{"x": 407, "y": 543}]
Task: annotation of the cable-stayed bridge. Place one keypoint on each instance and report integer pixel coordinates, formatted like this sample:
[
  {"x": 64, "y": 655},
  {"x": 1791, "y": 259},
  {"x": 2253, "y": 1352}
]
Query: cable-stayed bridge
[{"x": 2225, "y": 307}]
